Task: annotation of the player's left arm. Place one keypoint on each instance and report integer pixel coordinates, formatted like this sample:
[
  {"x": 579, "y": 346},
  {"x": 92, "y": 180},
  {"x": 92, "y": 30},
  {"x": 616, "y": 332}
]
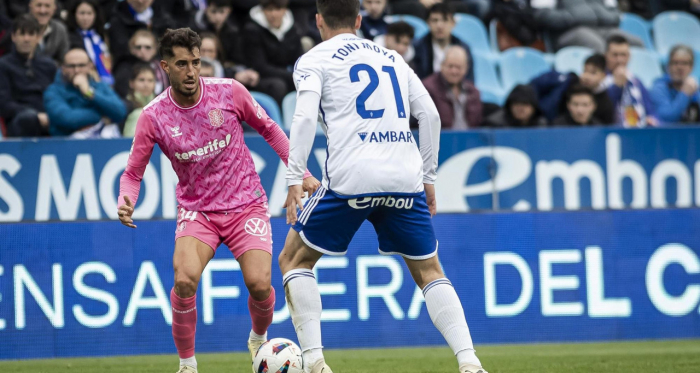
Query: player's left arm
[
  {"x": 256, "y": 117},
  {"x": 423, "y": 108}
]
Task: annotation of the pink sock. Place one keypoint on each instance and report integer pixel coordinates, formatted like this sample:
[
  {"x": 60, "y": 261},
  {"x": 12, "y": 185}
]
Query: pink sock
[
  {"x": 261, "y": 312},
  {"x": 184, "y": 323}
]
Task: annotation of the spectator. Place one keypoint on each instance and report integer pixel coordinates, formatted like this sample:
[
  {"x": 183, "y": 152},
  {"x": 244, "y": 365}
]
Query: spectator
[
  {"x": 130, "y": 16},
  {"x": 515, "y": 26},
  {"x": 580, "y": 105},
  {"x": 78, "y": 105},
  {"x": 142, "y": 87},
  {"x": 86, "y": 27},
  {"x": 24, "y": 75},
  {"x": 456, "y": 99},
  {"x": 142, "y": 48},
  {"x": 206, "y": 68},
  {"x": 398, "y": 38},
  {"x": 373, "y": 23},
  {"x": 430, "y": 50},
  {"x": 54, "y": 42},
  {"x": 420, "y": 8},
  {"x": 273, "y": 45},
  {"x": 5, "y": 35},
  {"x": 520, "y": 110},
  {"x": 676, "y": 95},
  {"x": 211, "y": 50},
  {"x": 552, "y": 86},
  {"x": 630, "y": 98},
  {"x": 586, "y": 23}
]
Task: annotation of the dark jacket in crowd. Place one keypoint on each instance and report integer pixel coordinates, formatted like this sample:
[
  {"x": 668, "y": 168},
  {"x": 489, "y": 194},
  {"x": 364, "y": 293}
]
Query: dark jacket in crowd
[
  {"x": 551, "y": 88},
  {"x": 123, "y": 25},
  {"x": 517, "y": 18},
  {"x": 56, "y": 44},
  {"x": 371, "y": 28},
  {"x": 424, "y": 57},
  {"x": 438, "y": 89},
  {"x": 230, "y": 38},
  {"x": 270, "y": 55},
  {"x": 69, "y": 111},
  {"x": 573, "y": 13},
  {"x": 122, "y": 74},
  {"x": 567, "y": 120},
  {"x": 520, "y": 94},
  {"x": 5, "y": 35},
  {"x": 22, "y": 83}
]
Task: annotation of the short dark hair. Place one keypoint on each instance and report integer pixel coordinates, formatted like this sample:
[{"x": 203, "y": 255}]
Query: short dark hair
[
  {"x": 98, "y": 24},
  {"x": 597, "y": 60},
  {"x": 443, "y": 9},
  {"x": 182, "y": 37},
  {"x": 220, "y": 3},
  {"x": 140, "y": 67},
  {"x": 616, "y": 39},
  {"x": 277, "y": 4},
  {"x": 578, "y": 89},
  {"x": 339, "y": 14},
  {"x": 26, "y": 24},
  {"x": 399, "y": 29}
]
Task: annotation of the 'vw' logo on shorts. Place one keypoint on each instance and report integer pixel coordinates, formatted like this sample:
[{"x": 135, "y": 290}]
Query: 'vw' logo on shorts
[{"x": 256, "y": 227}]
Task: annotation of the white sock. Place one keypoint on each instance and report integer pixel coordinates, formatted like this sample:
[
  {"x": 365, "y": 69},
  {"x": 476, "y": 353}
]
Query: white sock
[
  {"x": 448, "y": 316},
  {"x": 190, "y": 362},
  {"x": 304, "y": 301},
  {"x": 257, "y": 337}
]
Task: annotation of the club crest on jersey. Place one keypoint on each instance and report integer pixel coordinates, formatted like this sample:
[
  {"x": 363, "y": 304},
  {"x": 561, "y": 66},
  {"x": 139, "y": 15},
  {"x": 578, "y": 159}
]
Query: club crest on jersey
[
  {"x": 175, "y": 131},
  {"x": 216, "y": 117},
  {"x": 256, "y": 227}
]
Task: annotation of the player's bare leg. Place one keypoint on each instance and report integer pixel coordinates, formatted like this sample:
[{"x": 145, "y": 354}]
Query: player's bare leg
[
  {"x": 446, "y": 311},
  {"x": 190, "y": 257},
  {"x": 304, "y": 300},
  {"x": 255, "y": 265}
]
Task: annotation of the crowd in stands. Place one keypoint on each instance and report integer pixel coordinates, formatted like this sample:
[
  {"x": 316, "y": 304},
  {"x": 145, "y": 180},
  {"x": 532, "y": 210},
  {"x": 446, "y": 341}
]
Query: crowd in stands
[{"x": 86, "y": 68}]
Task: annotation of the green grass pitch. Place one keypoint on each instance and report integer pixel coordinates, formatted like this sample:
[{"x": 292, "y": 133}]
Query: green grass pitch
[{"x": 628, "y": 357}]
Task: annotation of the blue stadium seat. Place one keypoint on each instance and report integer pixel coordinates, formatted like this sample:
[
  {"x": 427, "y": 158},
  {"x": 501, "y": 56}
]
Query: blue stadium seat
[
  {"x": 696, "y": 67},
  {"x": 571, "y": 59},
  {"x": 492, "y": 97},
  {"x": 645, "y": 65},
  {"x": 420, "y": 28},
  {"x": 289, "y": 104},
  {"x": 520, "y": 65},
  {"x": 493, "y": 35},
  {"x": 637, "y": 26},
  {"x": 472, "y": 32},
  {"x": 671, "y": 28},
  {"x": 270, "y": 105},
  {"x": 486, "y": 75}
]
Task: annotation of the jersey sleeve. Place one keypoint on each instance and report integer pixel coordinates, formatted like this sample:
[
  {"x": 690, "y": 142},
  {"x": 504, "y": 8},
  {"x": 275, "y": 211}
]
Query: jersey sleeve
[
  {"x": 416, "y": 89},
  {"x": 139, "y": 156},
  {"x": 308, "y": 75}
]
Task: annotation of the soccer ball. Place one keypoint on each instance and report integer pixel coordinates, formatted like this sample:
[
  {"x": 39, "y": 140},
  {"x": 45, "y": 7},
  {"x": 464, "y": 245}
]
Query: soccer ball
[{"x": 278, "y": 355}]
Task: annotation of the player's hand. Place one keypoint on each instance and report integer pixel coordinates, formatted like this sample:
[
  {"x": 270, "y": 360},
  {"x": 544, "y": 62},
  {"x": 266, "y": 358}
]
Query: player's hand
[
  {"x": 125, "y": 211},
  {"x": 430, "y": 198},
  {"x": 310, "y": 184},
  {"x": 293, "y": 201}
]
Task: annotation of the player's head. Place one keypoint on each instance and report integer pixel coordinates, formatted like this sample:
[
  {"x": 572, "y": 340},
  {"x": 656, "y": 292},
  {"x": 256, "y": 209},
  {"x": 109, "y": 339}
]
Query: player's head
[
  {"x": 337, "y": 16},
  {"x": 398, "y": 37},
  {"x": 617, "y": 52},
  {"x": 179, "y": 50},
  {"x": 593, "y": 71}
]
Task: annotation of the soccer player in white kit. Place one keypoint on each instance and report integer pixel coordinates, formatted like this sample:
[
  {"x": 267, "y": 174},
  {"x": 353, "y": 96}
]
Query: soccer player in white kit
[{"x": 365, "y": 95}]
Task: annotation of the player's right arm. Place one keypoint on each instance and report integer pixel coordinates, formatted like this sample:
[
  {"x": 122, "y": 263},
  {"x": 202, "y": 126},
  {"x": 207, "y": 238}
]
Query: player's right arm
[
  {"x": 130, "y": 181},
  {"x": 423, "y": 108}
]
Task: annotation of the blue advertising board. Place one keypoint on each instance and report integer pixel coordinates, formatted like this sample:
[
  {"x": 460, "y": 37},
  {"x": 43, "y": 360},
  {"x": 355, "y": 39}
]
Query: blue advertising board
[
  {"x": 98, "y": 288},
  {"x": 511, "y": 170}
]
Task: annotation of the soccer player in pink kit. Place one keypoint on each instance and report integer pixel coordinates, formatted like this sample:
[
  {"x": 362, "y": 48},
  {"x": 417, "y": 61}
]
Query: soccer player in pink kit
[{"x": 197, "y": 124}]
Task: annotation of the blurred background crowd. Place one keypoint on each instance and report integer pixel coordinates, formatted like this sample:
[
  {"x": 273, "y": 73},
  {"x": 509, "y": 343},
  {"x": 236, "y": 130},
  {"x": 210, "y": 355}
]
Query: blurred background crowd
[{"x": 86, "y": 68}]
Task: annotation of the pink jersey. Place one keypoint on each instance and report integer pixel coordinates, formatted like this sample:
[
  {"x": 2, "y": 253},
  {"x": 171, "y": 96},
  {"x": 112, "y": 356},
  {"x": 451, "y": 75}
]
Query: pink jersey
[{"x": 205, "y": 146}]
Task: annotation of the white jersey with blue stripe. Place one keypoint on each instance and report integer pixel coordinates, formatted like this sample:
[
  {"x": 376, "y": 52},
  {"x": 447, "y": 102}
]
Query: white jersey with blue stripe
[{"x": 366, "y": 91}]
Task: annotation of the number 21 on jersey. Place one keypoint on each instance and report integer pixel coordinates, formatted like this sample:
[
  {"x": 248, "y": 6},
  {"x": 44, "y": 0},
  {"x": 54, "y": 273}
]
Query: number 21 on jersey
[{"x": 372, "y": 86}]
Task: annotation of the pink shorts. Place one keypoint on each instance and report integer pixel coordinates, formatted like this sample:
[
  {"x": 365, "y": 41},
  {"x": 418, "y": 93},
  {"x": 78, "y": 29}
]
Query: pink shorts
[{"x": 240, "y": 231}]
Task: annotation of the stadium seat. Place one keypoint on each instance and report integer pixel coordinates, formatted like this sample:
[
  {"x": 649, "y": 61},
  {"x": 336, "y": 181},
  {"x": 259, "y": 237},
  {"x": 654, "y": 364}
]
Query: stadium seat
[
  {"x": 571, "y": 59},
  {"x": 493, "y": 35},
  {"x": 420, "y": 28},
  {"x": 637, "y": 26},
  {"x": 486, "y": 75},
  {"x": 520, "y": 65},
  {"x": 270, "y": 105},
  {"x": 472, "y": 32},
  {"x": 696, "y": 67},
  {"x": 645, "y": 65},
  {"x": 671, "y": 28},
  {"x": 289, "y": 104},
  {"x": 492, "y": 97}
]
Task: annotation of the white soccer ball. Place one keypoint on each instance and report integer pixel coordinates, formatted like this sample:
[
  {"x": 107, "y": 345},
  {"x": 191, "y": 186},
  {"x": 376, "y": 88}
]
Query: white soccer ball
[{"x": 278, "y": 355}]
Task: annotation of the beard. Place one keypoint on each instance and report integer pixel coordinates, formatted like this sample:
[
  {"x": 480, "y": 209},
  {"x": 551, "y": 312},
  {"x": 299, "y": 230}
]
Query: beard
[{"x": 185, "y": 92}]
